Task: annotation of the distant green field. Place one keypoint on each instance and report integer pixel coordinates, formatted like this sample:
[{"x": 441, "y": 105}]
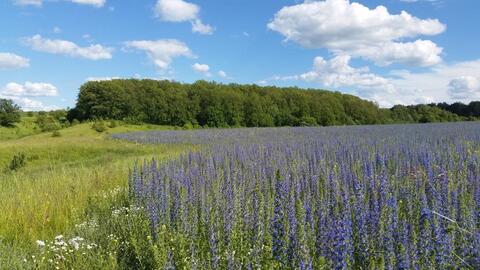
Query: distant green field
[{"x": 49, "y": 194}]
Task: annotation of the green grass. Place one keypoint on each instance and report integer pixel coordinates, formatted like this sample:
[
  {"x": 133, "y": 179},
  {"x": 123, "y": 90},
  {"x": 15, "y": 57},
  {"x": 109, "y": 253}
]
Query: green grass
[
  {"x": 26, "y": 127},
  {"x": 50, "y": 194}
]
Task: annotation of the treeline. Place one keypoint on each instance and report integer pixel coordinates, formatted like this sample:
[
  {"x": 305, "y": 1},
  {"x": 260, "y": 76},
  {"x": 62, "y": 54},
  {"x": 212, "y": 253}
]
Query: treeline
[
  {"x": 210, "y": 104},
  {"x": 471, "y": 110}
]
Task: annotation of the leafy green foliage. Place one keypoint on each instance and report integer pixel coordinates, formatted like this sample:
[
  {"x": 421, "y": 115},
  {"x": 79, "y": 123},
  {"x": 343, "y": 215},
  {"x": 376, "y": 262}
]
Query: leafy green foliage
[
  {"x": 99, "y": 126},
  {"x": 421, "y": 114},
  {"x": 9, "y": 113},
  {"x": 18, "y": 161},
  {"x": 56, "y": 133},
  {"x": 471, "y": 110},
  {"x": 47, "y": 123},
  {"x": 209, "y": 104},
  {"x": 218, "y": 105}
]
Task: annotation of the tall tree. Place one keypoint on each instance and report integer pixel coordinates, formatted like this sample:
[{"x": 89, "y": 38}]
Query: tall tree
[{"x": 9, "y": 113}]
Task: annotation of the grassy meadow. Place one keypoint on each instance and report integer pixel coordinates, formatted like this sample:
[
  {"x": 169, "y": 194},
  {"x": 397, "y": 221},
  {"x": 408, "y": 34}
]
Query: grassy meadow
[{"x": 49, "y": 194}]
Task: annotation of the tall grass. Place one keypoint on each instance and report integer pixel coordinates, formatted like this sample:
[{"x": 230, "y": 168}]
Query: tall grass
[{"x": 61, "y": 174}]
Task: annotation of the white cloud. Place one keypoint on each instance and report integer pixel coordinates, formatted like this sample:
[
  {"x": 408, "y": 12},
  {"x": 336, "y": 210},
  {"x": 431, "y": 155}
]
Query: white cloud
[
  {"x": 201, "y": 68},
  {"x": 161, "y": 52},
  {"x": 29, "y": 2},
  {"x": 337, "y": 72},
  {"x": 199, "y": 27},
  {"x": 29, "y": 89},
  {"x": 101, "y": 79},
  {"x": 351, "y": 28},
  {"x": 445, "y": 82},
  {"x": 21, "y": 93},
  {"x": 182, "y": 11},
  {"x": 176, "y": 10},
  {"x": 10, "y": 61},
  {"x": 57, "y": 30},
  {"x": 28, "y": 104},
  {"x": 57, "y": 46},
  {"x": 222, "y": 74},
  {"x": 464, "y": 88},
  {"x": 442, "y": 83},
  {"x": 95, "y": 3}
]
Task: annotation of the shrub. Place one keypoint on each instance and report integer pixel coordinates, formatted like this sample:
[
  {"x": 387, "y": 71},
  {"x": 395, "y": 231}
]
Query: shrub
[
  {"x": 113, "y": 124},
  {"x": 75, "y": 122},
  {"x": 56, "y": 133},
  {"x": 188, "y": 126},
  {"x": 18, "y": 161},
  {"x": 47, "y": 123},
  {"x": 308, "y": 121},
  {"x": 99, "y": 126}
]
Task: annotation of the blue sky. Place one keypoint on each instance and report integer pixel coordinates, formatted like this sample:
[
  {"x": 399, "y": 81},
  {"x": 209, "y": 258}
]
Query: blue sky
[{"x": 391, "y": 52}]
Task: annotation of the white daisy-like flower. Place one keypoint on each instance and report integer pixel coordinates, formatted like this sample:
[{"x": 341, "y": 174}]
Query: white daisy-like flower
[{"x": 40, "y": 243}]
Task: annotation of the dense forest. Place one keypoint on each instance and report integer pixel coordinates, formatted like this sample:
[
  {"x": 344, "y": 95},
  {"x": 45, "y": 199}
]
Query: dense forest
[
  {"x": 471, "y": 110},
  {"x": 209, "y": 104}
]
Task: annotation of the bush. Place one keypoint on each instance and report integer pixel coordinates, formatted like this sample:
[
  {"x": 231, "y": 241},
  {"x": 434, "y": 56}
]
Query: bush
[
  {"x": 56, "y": 133},
  {"x": 47, "y": 123},
  {"x": 9, "y": 113},
  {"x": 99, "y": 126},
  {"x": 113, "y": 124},
  {"x": 308, "y": 121},
  {"x": 75, "y": 122},
  {"x": 18, "y": 161},
  {"x": 188, "y": 126}
]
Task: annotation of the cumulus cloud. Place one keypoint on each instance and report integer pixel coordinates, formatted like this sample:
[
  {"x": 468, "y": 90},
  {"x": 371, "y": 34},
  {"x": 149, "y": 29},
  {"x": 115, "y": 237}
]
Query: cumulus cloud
[
  {"x": 201, "y": 68},
  {"x": 351, "y": 28},
  {"x": 58, "y": 46},
  {"x": 29, "y": 89},
  {"x": 28, "y": 104},
  {"x": 445, "y": 82},
  {"x": 11, "y": 61},
  {"x": 222, "y": 74},
  {"x": 464, "y": 88},
  {"x": 161, "y": 52},
  {"x": 95, "y": 3},
  {"x": 21, "y": 94},
  {"x": 182, "y": 11},
  {"x": 337, "y": 72}
]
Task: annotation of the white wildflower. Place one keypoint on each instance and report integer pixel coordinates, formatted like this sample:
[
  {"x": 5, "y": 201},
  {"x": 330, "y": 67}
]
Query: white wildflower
[{"x": 40, "y": 243}]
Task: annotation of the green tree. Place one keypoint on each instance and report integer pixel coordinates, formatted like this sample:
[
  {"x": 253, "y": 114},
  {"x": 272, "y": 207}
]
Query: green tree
[{"x": 9, "y": 113}]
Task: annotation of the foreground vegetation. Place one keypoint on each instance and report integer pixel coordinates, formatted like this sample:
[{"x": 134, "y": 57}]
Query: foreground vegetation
[
  {"x": 395, "y": 197},
  {"x": 374, "y": 197},
  {"x": 48, "y": 181},
  {"x": 370, "y": 197}
]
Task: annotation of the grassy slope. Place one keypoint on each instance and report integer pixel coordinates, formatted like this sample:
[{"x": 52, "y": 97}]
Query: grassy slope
[
  {"x": 25, "y": 128},
  {"x": 50, "y": 194}
]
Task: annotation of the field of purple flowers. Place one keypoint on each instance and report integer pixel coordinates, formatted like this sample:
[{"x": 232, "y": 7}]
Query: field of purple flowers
[{"x": 367, "y": 197}]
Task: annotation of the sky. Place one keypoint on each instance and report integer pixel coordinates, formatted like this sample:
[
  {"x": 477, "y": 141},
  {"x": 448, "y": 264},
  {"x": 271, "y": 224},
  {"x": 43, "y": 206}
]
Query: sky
[{"x": 390, "y": 52}]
